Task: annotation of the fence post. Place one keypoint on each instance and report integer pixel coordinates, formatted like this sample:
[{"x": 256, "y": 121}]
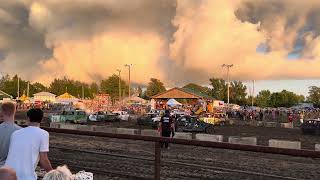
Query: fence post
[{"x": 157, "y": 163}]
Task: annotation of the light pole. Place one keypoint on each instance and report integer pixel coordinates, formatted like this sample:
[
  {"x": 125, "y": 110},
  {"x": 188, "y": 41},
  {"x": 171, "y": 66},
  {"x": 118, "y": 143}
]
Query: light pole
[
  {"x": 119, "y": 71},
  {"x": 18, "y": 91},
  {"x": 228, "y": 66},
  {"x": 252, "y": 93},
  {"x": 28, "y": 89},
  {"x": 82, "y": 92},
  {"x": 129, "y": 68}
]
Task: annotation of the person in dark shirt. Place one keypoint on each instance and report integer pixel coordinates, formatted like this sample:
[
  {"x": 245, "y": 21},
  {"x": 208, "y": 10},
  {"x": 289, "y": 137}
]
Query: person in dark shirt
[{"x": 166, "y": 123}]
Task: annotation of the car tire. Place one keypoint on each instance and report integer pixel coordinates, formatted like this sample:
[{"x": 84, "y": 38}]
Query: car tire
[
  {"x": 209, "y": 130},
  {"x": 179, "y": 129}
]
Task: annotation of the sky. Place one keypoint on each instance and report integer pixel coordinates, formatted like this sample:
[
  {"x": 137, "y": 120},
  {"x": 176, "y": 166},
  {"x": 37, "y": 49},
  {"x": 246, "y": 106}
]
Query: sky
[
  {"x": 275, "y": 42},
  {"x": 300, "y": 87}
]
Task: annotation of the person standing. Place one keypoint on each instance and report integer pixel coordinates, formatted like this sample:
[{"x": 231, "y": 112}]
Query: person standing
[
  {"x": 166, "y": 124},
  {"x": 301, "y": 117},
  {"x": 290, "y": 118},
  {"x": 261, "y": 115},
  {"x": 8, "y": 110},
  {"x": 28, "y": 147}
]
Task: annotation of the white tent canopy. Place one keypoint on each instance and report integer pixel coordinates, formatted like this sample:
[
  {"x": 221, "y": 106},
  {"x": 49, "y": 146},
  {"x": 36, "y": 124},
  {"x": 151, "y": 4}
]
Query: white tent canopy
[{"x": 173, "y": 102}]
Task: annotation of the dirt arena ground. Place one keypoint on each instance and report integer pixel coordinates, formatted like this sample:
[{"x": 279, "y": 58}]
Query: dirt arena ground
[
  {"x": 240, "y": 128},
  {"x": 125, "y": 159}
]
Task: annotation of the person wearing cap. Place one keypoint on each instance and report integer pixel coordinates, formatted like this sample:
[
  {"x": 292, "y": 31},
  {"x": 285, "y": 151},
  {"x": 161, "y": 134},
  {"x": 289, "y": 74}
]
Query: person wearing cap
[{"x": 166, "y": 124}]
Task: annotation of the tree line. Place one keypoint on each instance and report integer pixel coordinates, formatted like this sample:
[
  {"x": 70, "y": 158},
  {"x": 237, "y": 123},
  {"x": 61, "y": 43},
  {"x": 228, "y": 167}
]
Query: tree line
[{"x": 217, "y": 89}]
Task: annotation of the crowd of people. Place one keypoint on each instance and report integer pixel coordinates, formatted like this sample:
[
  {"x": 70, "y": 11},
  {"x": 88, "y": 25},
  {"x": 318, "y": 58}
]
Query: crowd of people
[
  {"x": 22, "y": 149},
  {"x": 280, "y": 115}
]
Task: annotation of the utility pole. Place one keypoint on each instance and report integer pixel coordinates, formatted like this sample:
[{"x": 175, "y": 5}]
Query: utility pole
[
  {"x": 129, "y": 68},
  {"x": 28, "y": 89},
  {"x": 252, "y": 93},
  {"x": 82, "y": 92},
  {"x": 18, "y": 92},
  {"x": 228, "y": 66},
  {"x": 119, "y": 71}
]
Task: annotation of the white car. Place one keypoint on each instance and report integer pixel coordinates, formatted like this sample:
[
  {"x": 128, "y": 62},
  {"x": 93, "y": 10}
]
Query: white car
[
  {"x": 98, "y": 116},
  {"x": 156, "y": 119},
  {"x": 178, "y": 112},
  {"x": 124, "y": 116}
]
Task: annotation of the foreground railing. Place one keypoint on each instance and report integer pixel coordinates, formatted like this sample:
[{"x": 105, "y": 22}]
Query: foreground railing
[{"x": 220, "y": 145}]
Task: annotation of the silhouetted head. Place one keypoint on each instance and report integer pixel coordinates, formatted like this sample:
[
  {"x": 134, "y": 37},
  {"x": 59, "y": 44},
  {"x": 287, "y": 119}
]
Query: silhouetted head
[{"x": 35, "y": 115}]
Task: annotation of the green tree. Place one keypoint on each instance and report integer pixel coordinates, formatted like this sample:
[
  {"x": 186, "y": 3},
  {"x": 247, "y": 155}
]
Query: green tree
[
  {"x": 154, "y": 87},
  {"x": 263, "y": 98},
  {"x": 61, "y": 86},
  {"x": 36, "y": 88},
  {"x": 197, "y": 88},
  {"x": 219, "y": 89},
  {"x": 94, "y": 87},
  {"x": 238, "y": 93},
  {"x": 284, "y": 99},
  {"x": 111, "y": 87},
  {"x": 314, "y": 95},
  {"x": 10, "y": 86},
  {"x": 249, "y": 101}
]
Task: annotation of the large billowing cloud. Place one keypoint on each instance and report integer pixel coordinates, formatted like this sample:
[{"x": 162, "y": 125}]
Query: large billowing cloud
[
  {"x": 86, "y": 40},
  {"x": 177, "y": 41},
  {"x": 233, "y": 32}
]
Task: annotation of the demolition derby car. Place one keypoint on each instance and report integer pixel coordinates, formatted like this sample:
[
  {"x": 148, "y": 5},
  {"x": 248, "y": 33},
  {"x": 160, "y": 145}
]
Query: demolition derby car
[
  {"x": 149, "y": 119},
  {"x": 193, "y": 124},
  {"x": 103, "y": 116},
  {"x": 311, "y": 126},
  {"x": 214, "y": 119},
  {"x": 73, "y": 116}
]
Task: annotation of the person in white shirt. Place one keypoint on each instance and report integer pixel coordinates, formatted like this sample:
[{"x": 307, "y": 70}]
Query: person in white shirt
[{"x": 28, "y": 147}]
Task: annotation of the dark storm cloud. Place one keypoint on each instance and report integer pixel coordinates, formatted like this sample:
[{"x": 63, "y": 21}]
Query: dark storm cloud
[{"x": 298, "y": 19}]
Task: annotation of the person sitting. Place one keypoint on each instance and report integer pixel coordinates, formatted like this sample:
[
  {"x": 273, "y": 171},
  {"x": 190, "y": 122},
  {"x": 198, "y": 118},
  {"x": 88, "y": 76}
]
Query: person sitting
[
  {"x": 28, "y": 147},
  {"x": 61, "y": 173},
  {"x": 7, "y": 173},
  {"x": 8, "y": 110}
]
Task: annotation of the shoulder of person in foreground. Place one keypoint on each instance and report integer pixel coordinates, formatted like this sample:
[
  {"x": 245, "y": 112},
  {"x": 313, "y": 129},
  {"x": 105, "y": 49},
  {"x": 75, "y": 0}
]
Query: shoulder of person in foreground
[
  {"x": 6, "y": 173},
  {"x": 44, "y": 132}
]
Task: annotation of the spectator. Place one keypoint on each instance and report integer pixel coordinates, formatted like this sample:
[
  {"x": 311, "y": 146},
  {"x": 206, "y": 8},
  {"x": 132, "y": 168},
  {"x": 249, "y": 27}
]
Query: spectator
[
  {"x": 61, "y": 173},
  {"x": 7, "y": 173},
  {"x": 28, "y": 147},
  {"x": 8, "y": 110}
]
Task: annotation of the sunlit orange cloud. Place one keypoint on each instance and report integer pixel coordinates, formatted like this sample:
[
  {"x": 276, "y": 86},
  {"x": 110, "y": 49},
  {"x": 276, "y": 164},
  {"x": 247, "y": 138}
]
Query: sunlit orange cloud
[
  {"x": 180, "y": 42},
  {"x": 103, "y": 55},
  {"x": 211, "y": 35}
]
